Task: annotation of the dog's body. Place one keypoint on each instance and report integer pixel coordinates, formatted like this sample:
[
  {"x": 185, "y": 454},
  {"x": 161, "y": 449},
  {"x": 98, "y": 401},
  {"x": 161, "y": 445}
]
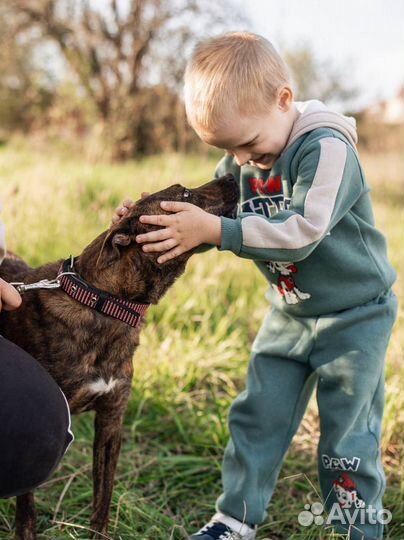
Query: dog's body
[{"x": 90, "y": 354}]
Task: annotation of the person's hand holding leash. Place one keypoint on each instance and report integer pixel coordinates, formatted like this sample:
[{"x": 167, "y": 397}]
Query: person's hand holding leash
[
  {"x": 187, "y": 227},
  {"x": 9, "y": 297}
]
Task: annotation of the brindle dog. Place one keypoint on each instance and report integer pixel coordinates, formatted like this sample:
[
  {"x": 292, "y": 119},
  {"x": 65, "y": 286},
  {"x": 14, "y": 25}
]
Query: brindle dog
[{"x": 79, "y": 346}]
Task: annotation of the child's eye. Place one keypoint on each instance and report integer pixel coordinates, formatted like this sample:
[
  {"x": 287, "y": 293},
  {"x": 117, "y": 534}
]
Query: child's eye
[{"x": 248, "y": 145}]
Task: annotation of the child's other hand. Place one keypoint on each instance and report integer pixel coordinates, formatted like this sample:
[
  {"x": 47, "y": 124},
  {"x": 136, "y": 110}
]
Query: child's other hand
[
  {"x": 124, "y": 208},
  {"x": 187, "y": 227},
  {"x": 9, "y": 296}
]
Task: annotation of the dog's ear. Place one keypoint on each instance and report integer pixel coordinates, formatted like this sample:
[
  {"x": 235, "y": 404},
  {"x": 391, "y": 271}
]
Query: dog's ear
[
  {"x": 121, "y": 239},
  {"x": 112, "y": 245},
  {"x": 117, "y": 241}
]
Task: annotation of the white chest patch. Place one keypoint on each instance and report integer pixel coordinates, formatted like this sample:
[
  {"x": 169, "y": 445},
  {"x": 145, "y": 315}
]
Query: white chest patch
[{"x": 100, "y": 386}]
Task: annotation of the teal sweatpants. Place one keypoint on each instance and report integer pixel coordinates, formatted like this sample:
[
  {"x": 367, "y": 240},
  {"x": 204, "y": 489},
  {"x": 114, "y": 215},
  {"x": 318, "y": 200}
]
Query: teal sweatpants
[{"x": 343, "y": 353}]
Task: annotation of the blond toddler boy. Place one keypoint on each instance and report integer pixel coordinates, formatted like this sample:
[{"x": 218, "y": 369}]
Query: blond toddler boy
[{"x": 305, "y": 219}]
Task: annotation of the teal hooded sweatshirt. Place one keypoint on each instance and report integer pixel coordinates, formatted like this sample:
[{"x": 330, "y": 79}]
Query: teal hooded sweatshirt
[{"x": 308, "y": 223}]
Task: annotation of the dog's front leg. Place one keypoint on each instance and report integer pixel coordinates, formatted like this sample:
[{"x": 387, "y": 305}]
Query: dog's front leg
[
  {"x": 25, "y": 517},
  {"x": 107, "y": 443}
]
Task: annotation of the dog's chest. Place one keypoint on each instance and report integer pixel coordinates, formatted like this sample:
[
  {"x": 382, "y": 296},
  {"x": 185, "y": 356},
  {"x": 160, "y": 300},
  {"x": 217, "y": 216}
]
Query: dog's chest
[
  {"x": 85, "y": 397},
  {"x": 84, "y": 394},
  {"x": 100, "y": 386},
  {"x": 100, "y": 374}
]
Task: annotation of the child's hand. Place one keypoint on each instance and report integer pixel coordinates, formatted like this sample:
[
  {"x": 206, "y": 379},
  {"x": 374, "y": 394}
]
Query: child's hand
[
  {"x": 188, "y": 227},
  {"x": 9, "y": 296},
  {"x": 122, "y": 210}
]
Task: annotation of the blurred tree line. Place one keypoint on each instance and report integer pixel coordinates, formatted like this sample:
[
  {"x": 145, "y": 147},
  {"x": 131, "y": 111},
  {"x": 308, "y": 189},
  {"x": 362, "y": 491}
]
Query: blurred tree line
[{"x": 111, "y": 71}]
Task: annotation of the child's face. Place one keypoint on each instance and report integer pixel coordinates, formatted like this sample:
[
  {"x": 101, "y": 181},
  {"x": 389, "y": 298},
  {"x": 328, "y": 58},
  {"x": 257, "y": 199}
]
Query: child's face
[{"x": 257, "y": 140}]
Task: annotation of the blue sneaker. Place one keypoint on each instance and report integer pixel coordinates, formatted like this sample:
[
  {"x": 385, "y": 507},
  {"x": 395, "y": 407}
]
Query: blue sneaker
[{"x": 222, "y": 527}]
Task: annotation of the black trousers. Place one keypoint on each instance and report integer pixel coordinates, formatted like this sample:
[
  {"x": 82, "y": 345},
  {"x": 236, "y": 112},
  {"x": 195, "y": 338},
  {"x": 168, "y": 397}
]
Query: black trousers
[{"x": 34, "y": 422}]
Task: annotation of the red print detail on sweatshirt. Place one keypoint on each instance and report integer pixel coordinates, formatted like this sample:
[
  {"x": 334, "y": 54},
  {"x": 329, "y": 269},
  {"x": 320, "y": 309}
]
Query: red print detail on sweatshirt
[
  {"x": 286, "y": 286},
  {"x": 272, "y": 185}
]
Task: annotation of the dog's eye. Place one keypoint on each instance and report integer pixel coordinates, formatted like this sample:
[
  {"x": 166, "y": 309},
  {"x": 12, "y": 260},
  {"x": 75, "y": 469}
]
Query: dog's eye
[{"x": 186, "y": 195}]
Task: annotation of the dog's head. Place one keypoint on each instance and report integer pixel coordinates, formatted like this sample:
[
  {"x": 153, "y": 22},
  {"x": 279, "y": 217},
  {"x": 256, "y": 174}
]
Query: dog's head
[{"x": 116, "y": 263}]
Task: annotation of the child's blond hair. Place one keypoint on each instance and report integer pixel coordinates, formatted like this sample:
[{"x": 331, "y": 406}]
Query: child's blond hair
[{"x": 237, "y": 72}]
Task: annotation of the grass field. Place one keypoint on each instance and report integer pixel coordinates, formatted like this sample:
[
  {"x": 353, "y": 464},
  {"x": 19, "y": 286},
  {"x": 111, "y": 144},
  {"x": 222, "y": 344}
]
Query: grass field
[{"x": 192, "y": 359}]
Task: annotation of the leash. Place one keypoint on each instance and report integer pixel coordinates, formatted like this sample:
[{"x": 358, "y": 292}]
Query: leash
[{"x": 77, "y": 288}]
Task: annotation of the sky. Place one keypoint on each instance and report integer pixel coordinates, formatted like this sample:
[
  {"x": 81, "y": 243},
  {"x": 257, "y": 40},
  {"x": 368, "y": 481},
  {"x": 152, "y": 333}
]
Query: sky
[{"x": 364, "y": 36}]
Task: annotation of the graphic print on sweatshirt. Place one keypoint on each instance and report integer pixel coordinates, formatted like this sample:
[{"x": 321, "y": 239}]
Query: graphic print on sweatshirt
[
  {"x": 268, "y": 197},
  {"x": 270, "y": 200},
  {"x": 286, "y": 286}
]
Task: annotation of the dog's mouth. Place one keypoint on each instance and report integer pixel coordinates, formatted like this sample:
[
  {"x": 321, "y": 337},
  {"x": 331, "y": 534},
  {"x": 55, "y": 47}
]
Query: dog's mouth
[
  {"x": 219, "y": 197},
  {"x": 231, "y": 196},
  {"x": 232, "y": 213}
]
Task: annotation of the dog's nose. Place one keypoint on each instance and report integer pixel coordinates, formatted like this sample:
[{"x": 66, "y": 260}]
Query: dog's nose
[
  {"x": 227, "y": 178},
  {"x": 230, "y": 186}
]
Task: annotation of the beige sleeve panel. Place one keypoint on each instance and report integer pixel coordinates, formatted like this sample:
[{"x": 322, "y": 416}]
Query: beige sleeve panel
[{"x": 297, "y": 230}]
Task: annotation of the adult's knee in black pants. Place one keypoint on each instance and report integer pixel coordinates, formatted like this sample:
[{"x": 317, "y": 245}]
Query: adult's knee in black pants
[{"x": 34, "y": 422}]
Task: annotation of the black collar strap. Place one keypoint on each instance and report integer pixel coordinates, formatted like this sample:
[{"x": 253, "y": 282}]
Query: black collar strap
[{"x": 74, "y": 285}]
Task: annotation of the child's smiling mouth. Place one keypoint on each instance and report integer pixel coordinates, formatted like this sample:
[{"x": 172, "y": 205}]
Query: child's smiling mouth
[{"x": 265, "y": 160}]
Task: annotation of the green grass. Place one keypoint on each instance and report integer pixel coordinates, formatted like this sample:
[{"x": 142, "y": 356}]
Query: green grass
[{"x": 191, "y": 362}]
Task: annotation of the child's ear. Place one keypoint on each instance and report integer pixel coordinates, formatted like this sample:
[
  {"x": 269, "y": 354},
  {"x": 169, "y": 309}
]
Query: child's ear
[{"x": 285, "y": 98}]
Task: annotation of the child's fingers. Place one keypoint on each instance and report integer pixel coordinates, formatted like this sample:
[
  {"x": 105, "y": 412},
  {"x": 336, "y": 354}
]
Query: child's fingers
[
  {"x": 154, "y": 236},
  {"x": 171, "y": 254},
  {"x": 128, "y": 203},
  {"x": 121, "y": 211},
  {"x": 119, "y": 214},
  {"x": 161, "y": 246},
  {"x": 161, "y": 219},
  {"x": 175, "y": 206}
]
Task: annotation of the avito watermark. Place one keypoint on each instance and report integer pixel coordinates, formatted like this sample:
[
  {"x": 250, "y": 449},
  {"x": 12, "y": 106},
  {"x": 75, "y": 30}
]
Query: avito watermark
[{"x": 313, "y": 514}]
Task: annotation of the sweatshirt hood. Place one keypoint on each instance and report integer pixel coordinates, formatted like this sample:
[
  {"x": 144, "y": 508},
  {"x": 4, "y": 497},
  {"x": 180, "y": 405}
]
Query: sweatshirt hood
[{"x": 314, "y": 114}]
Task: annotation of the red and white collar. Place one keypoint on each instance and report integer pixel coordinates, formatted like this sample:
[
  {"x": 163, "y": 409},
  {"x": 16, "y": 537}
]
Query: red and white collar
[{"x": 77, "y": 288}]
